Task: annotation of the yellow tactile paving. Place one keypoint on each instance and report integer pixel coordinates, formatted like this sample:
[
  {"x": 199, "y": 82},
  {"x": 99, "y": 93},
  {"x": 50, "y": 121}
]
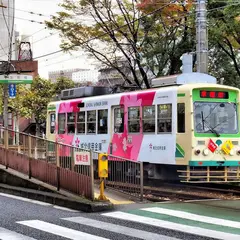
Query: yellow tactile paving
[{"x": 114, "y": 201}]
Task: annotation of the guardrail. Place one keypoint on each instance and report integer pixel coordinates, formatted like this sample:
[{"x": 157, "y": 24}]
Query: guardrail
[
  {"x": 67, "y": 167},
  {"x": 63, "y": 166}
]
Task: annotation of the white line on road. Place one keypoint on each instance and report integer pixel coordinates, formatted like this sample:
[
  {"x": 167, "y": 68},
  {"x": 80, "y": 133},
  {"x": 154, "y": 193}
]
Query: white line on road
[
  {"x": 60, "y": 231},
  {"x": 194, "y": 217},
  {"x": 118, "y": 229},
  {"x": 65, "y": 209},
  {"x": 25, "y": 199},
  {"x": 36, "y": 202},
  {"x": 173, "y": 226},
  {"x": 6, "y": 234}
]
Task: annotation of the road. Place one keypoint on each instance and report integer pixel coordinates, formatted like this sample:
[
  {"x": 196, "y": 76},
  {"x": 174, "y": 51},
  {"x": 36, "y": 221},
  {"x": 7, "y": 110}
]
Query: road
[{"x": 25, "y": 219}]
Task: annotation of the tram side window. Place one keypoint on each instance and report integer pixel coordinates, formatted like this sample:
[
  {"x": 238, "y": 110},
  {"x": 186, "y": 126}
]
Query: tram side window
[
  {"x": 149, "y": 119},
  {"x": 71, "y": 123},
  {"x": 181, "y": 117},
  {"x": 119, "y": 120},
  {"x": 134, "y": 119},
  {"x": 81, "y": 123},
  {"x": 61, "y": 123},
  {"x": 52, "y": 122},
  {"x": 91, "y": 121},
  {"x": 164, "y": 118},
  {"x": 103, "y": 121}
]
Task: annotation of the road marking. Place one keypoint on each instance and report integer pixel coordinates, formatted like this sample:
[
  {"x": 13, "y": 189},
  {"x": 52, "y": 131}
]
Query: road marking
[
  {"x": 6, "y": 234},
  {"x": 65, "y": 209},
  {"x": 194, "y": 217},
  {"x": 25, "y": 199},
  {"x": 59, "y": 230},
  {"x": 173, "y": 226},
  {"x": 118, "y": 229}
]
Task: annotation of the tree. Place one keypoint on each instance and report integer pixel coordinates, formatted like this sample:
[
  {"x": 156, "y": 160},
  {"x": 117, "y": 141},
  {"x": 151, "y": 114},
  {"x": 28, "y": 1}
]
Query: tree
[
  {"x": 224, "y": 31},
  {"x": 61, "y": 84},
  {"x": 168, "y": 34},
  {"x": 114, "y": 34},
  {"x": 36, "y": 100}
]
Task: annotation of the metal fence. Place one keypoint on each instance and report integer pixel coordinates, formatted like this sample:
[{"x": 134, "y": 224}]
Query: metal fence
[
  {"x": 57, "y": 164},
  {"x": 51, "y": 162}
]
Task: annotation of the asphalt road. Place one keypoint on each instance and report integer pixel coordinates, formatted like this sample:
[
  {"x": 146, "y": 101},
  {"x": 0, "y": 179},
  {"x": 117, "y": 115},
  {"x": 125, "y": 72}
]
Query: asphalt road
[{"x": 25, "y": 219}]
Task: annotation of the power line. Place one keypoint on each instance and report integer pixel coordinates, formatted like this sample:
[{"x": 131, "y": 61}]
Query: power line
[
  {"x": 26, "y": 38},
  {"x": 25, "y": 19},
  {"x": 65, "y": 60},
  {"x": 33, "y": 13},
  {"x": 227, "y": 5},
  {"x": 104, "y": 34}
]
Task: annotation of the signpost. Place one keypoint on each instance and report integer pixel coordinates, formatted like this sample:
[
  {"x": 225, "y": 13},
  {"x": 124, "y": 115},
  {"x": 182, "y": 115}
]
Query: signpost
[
  {"x": 82, "y": 158},
  {"x": 16, "y": 78},
  {"x": 12, "y": 79},
  {"x": 12, "y": 90}
]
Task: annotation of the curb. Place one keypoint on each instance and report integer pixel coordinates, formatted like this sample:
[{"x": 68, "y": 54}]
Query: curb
[{"x": 57, "y": 199}]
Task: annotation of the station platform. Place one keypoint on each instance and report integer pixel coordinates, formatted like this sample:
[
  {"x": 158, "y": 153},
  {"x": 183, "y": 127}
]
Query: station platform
[{"x": 114, "y": 197}]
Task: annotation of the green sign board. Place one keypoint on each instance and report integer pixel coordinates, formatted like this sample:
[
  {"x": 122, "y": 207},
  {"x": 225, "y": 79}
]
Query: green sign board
[{"x": 16, "y": 78}]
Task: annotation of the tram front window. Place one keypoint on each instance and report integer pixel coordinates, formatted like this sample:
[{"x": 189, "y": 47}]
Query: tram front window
[{"x": 215, "y": 117}]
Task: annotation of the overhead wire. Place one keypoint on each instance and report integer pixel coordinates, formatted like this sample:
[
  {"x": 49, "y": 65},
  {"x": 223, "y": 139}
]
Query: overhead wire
[
  {"x": 29, "y": 37},
  {"x": 32, "y": 13},
  {"x": 25, "y": 19},
  {"x": 104, "y": 34}
]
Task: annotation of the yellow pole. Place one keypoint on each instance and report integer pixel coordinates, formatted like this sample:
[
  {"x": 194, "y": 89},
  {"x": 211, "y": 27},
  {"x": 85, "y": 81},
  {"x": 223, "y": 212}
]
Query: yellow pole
[{"x": 102, "y": 196}]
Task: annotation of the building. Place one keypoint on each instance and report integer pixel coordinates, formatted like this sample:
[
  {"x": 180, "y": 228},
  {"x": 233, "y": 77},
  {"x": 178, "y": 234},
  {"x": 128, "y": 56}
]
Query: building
[
  {"x": 54, "y": 75},
  {"x": 109, "y": 77},
  {"x": 85, "y": 76}
]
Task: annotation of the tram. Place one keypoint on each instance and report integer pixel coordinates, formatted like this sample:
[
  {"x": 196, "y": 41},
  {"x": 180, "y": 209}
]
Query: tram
[{"x": 185, "y": 126}]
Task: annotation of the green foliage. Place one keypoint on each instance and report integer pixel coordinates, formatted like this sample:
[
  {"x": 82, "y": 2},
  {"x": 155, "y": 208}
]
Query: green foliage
[
  {"x": 61, "y": 84},
  {"x": 37, "y": 98},
  {"x": 150, "y": 40},
  {"x": 115, "y": 34},
  {"x": 224, "y": 40}
]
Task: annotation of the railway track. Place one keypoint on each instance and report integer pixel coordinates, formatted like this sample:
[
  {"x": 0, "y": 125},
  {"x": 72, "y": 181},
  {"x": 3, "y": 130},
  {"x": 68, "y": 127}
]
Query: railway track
[{"x": 177, "y": 192}]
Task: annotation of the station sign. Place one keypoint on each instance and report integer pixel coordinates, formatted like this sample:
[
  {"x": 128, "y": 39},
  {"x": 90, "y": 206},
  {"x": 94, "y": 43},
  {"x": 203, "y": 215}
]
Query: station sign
[
  {"x": 82, "y": 158},
  {"x": 16, "y": 79}
]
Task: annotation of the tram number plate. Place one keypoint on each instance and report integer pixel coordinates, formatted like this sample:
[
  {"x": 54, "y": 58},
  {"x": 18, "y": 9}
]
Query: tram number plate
[{"x": 82, "y": 158}]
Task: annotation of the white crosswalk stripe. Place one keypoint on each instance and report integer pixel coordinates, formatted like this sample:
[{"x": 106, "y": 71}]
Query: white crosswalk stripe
[
  {"x": 195, "y": 217},
  {"x": 119, "y": 229},
  {"x": 173, "y": 226},
  {"x": 6, "y": 234},
  {"x": 60, "y": 231}
]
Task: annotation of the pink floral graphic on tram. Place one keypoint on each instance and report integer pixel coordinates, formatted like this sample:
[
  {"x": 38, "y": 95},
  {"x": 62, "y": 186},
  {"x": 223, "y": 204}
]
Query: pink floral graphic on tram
[
  {"x": 66, "y": 107},
  {"x": 125, "y": 144}
]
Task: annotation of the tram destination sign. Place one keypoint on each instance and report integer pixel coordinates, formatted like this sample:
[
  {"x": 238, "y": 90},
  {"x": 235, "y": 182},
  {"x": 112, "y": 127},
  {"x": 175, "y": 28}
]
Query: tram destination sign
[{"x": 16, "y": 79}]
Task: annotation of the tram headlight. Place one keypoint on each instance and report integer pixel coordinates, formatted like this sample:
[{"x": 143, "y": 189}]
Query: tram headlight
[
  {"x": 205, "y": 152},
  {"x": 197, "y": 152},
  {"x": 231, "y": 153},
  {"x": 238, "y": 152}
]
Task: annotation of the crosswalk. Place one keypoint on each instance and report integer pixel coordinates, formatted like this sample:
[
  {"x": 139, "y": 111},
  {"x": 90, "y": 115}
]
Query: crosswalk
[{"x": 123, "y": 224}]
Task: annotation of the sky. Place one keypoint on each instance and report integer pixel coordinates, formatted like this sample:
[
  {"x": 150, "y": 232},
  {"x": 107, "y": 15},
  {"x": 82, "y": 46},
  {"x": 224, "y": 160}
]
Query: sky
[{"x": 44, "y": 41}]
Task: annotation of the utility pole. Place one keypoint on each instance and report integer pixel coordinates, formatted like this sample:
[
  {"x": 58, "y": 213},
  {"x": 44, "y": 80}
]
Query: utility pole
[
  {"x": 201, "y": 37},
  {"x": 7, "y": 23}
]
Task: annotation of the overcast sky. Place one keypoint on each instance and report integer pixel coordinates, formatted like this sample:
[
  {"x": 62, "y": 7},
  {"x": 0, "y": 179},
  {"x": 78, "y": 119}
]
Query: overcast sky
[{"x": 43, "y": 40}]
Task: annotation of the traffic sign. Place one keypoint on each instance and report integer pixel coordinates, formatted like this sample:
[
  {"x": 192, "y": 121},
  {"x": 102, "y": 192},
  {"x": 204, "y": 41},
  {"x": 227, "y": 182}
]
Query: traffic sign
[
  {"x": 12, "y": 90},
  {"x": 16, "y": 79}
]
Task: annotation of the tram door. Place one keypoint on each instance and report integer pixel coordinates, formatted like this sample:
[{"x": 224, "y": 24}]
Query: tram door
[
  {"x": 117, "y": 121},
  {"x": 51, "y": 134},
  {"x": 51, "y": 131}
]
